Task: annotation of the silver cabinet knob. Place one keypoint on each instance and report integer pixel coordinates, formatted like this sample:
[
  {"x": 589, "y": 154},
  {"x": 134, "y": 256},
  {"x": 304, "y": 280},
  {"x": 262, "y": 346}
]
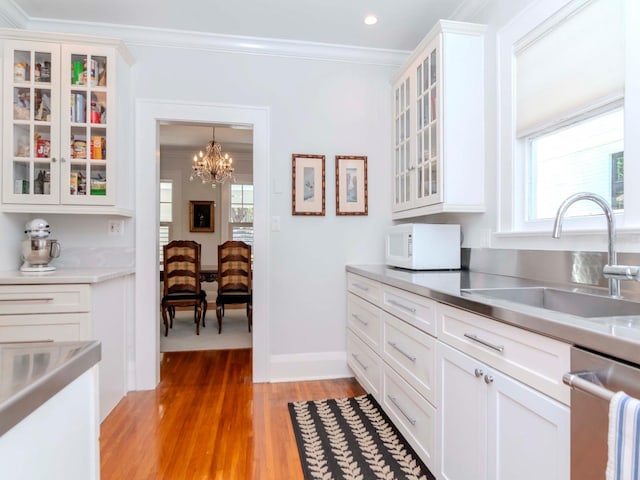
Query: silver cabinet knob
[
  {"x": 478, "y": 372},
  {"x": 488, "y": 379}
]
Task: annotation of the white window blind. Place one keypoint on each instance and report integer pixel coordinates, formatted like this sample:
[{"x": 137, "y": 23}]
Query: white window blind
[
  {"x": 241, "y": 213},
  {"x": 571, "y": 63},
  {"x": 163, "y": 239},
  {"x": 166, "y": 201},
  {"x": 166, "y": 216}
]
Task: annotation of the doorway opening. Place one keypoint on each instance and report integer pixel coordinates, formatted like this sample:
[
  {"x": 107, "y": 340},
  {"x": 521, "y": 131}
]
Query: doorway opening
[
  {"x": 150, "y": 115},
  {"x": 231, "y": 204}
]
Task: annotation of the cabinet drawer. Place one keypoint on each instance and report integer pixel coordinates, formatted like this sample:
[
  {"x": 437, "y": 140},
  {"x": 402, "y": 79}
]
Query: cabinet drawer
[
  {"x": 23, "y": 299},
  {"x": 36, "y": 328},
  {"x": 411, "y": 414},
  {"x": 534, "y": 359},
  {"x": 414, "y": 309},
  {"x": 411, "y": 353},
  {"x": 364, "y": 319},
  {"x": 363, "y": 287},
  {"x": 366, "y": 365}
]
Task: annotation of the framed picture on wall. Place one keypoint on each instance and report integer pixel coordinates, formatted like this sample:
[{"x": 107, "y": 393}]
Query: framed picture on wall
[
  {"x": 201, "y": 217},
  {"x": 307, "y": 196},
  {"x": 352, "y": 190}
]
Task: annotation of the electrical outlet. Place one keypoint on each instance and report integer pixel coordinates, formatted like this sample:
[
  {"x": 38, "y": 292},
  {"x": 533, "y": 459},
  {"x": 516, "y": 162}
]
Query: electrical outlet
[{"x": 116, "y": 227}]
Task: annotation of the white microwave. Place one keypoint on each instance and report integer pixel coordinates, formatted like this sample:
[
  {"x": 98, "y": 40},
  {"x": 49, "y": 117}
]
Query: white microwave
[{"x": 423, "y": 246}]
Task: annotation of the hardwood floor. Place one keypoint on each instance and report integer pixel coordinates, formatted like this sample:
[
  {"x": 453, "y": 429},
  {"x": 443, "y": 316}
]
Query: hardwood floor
[{"x": 207, "y": 420}]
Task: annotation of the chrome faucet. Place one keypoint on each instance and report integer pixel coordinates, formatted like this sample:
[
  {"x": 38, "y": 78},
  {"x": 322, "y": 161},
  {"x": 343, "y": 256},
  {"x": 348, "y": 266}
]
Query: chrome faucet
[{"x": 612, "y": 271}]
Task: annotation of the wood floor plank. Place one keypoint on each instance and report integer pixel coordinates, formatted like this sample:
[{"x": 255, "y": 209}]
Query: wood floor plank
[{"x": 207, "y": 420}]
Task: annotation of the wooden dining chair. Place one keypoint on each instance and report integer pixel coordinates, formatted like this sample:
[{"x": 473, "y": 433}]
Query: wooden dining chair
[
  {"x": 181, "y": 278},
  {"x": 234, "y": 278}
]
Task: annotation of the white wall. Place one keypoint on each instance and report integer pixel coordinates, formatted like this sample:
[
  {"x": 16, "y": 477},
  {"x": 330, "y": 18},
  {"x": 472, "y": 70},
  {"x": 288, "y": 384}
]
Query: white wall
[
  {"x": 11, "y": 234},
  {"x": 316, "y": 107}
]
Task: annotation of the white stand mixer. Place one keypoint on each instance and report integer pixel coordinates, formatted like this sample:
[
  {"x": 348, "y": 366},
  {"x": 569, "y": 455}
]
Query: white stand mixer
[{"x": 38, "y": 250}]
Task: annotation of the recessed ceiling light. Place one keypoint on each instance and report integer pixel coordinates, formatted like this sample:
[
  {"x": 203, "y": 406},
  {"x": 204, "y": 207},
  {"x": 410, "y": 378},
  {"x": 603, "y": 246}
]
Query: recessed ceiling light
[{"x": 370, "y": 20}]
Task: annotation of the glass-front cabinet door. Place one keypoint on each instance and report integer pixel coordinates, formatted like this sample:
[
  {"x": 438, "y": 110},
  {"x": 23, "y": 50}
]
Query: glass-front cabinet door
[
  {"x": 58, "y": 124},
  {"x": 402, "y": 166},
  {"x": 428, "y": 176},
  {"x": 85, "y": 129},
  {"x": 31, "y": 133}
]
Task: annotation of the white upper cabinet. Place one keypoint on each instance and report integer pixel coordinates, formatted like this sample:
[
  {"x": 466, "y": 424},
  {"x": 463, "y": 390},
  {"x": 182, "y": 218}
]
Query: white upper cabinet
[
  {"x": 438, "y": 124},
  {"x": 64, "y": 143}
]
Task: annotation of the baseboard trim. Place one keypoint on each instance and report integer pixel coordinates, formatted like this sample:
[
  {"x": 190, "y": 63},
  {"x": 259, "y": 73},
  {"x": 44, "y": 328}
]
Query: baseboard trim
[{"x": 309, "y": 366}]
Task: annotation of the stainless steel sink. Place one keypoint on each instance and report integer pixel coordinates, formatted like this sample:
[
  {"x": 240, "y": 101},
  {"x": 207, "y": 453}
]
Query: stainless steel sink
[{"x": 574, "y": 303}]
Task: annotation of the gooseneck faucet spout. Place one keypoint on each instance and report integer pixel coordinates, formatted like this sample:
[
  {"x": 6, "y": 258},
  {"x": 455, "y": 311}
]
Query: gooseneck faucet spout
[{"x": 614, "y": 283}]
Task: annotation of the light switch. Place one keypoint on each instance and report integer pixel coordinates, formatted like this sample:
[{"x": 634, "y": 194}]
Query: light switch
[{"x": 275, "y": 223}]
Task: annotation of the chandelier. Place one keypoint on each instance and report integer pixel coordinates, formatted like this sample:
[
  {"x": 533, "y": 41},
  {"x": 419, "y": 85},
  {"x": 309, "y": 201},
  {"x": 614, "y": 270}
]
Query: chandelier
[{"x": 212, "y": 166}]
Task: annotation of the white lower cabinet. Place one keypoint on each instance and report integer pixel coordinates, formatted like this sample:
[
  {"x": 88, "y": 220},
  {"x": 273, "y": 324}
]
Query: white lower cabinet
[
  {"x": 491, "y": 426},
  {"x": 411, "y": 413},
  {"x": 73, "y": 312},
  {"x": 391, "y": 351},
  {"x": 477, "y": 399},
  {"x": 365, "y": 364}
]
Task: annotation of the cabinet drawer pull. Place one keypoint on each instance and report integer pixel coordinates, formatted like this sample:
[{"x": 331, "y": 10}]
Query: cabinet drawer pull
[
  {"x": 357, "y": 359},
  {"x": 364, "y": 288},
  {"x": 400, "y": 305},
  {"x": 412, "y": 421},
  {"x": 27, "y": 300},
  {"x": 357, "y": 317},
  {"x": 497, "y": 348},
  {"x": 394, "y": 345}
]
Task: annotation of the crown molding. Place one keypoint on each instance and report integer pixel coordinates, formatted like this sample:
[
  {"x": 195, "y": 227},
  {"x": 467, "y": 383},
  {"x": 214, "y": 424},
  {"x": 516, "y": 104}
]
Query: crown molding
[
  {"x": 468, "y": 10},
  {"x": 12, "y": 16},
  {"x": 167, "y": 38},
  {"x": 22, "y": 34}
]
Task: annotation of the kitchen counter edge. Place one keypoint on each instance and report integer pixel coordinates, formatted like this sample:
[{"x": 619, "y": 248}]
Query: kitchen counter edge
[
  {"x": 567, "y": 328},
  {"x": 70, "y": 275},
  {"x": 28, "y": 398}
]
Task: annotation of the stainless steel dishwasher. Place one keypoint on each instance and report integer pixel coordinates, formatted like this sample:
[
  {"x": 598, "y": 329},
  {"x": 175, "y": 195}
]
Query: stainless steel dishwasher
[{"x": 594, "y": 379}]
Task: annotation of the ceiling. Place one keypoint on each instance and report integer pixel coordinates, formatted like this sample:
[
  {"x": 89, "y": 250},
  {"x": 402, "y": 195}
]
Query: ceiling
[
  {"x": 401, "y": 26},
  {"x": 237, "y": 139}
]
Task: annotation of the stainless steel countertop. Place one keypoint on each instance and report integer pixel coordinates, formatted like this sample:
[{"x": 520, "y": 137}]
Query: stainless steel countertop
[
  {"x": 615, "y": 336},
  {"x": 31, "y": 373}
]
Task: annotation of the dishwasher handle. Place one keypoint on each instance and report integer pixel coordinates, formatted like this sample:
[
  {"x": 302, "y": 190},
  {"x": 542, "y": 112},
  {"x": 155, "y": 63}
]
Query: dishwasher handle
[{"x": 575, "y": 380}]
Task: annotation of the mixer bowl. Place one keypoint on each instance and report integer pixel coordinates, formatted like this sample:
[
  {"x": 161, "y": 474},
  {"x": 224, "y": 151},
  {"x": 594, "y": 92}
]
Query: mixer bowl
[{"x": 39, "y": 251}]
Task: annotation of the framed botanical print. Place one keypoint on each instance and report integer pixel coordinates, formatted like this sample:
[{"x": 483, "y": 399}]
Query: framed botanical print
[
  {"x": 201, "y": 216},
  {"x": 352, "y": 193},
  {"x": 308, "y": 173}
]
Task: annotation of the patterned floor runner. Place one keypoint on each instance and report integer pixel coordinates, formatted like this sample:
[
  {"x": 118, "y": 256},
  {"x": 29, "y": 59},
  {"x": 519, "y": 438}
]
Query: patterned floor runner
[{"x": 352, "y": 439}]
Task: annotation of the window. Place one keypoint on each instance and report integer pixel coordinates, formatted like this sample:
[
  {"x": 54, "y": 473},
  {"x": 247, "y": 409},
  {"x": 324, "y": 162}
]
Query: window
[
  {"x": 583, "y": 157},
  {"x": 563, "y": 78},
  {"x": 166, "y": 215},
  {"x": 241, "y": 213}
]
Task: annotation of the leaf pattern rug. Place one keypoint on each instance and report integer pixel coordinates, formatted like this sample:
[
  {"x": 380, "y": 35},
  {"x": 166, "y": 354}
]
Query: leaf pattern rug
[{"x": 352, "y": 439}]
